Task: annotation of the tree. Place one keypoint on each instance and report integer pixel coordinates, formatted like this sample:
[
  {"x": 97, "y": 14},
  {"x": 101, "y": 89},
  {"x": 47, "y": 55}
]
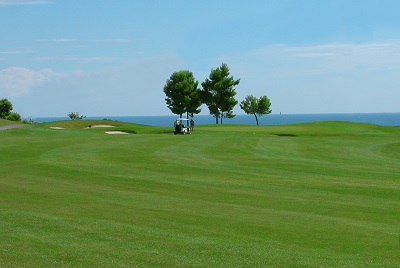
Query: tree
[
  {"x": 14, "y": 117},
  {"x": 76, "y": 116},
  {"x": 5, "y": 108},
  {"x": 228, "y": 115},
  {"x": 219, "y": 93},
  {"x": 182, "y": 93},
  {"x": 252, "y": 105}
]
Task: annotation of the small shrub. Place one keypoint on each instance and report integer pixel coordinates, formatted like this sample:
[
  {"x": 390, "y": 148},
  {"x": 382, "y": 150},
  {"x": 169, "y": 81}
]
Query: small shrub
[
  {"x": 14, "y": 117},
  {"x": 76, "y": 116}
]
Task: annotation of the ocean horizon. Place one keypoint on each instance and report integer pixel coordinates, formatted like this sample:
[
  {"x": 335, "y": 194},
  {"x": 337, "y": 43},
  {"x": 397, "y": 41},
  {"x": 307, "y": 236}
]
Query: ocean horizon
[{"x": 382, "y": 119}]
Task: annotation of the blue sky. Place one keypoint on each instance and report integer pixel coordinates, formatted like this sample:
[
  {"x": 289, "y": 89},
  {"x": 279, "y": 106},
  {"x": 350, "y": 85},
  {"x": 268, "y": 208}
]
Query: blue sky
[{"x": 112, "y": 58}]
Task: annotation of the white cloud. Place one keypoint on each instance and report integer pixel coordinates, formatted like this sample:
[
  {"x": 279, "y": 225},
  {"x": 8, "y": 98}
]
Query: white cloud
[
  {"x": 23, "y": 3},
  {"x": 133, "y": 88},
  {"x": 115, "y": 40},
  {"x": 82, "y": 59},
  {"x": 9, "y": 52},
  {"x": 57, "y": 40},
  {"x": 95, "y": 59},
  {"x": 325, "y": 78},
  {"x": 315, "y": 54},
  {"x": 65, "y": 40},
  {"x": 15, "y": 81}
]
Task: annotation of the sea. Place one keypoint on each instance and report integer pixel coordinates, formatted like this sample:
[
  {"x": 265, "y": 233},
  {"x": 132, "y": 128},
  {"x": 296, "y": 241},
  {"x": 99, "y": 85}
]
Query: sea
[{"x": 382, "y": 119}]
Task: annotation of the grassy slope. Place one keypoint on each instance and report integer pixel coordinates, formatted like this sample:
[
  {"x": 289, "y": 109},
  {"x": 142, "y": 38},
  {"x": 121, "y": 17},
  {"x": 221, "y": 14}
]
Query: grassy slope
[
  {"x": 120, "y": 126},
  {"x": 318, "y": 194},
  {"x": 4, "y": 122}
]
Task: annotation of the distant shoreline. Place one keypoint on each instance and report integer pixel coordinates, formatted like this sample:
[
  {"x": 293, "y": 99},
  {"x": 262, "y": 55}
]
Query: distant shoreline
[{"x": 383, "y": 119}]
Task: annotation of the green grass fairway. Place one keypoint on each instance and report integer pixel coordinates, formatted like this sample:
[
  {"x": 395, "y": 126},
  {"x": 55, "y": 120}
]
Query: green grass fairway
[{"x": 321, "y": 194}]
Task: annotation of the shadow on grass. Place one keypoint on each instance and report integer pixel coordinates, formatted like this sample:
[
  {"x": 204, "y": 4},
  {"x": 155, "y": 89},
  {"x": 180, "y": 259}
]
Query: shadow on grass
[{"x": 285, "y": 135}]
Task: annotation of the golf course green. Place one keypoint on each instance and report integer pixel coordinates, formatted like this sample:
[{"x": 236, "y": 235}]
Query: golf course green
[{"x": 323, "y": 194}]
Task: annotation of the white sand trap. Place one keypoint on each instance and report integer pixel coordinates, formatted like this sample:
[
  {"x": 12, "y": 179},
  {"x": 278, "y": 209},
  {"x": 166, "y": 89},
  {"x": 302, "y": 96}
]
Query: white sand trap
[
  {"x": 102, "y": 126},
  {"x": 57, "y": 127},
  {"x": 116, "y": 132}
]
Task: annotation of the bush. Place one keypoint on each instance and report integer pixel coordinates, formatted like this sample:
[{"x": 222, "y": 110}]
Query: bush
[
  {"x": 14, "y": 117},
  {"x": 76, "y": 116},
  {"x": 27, "y": 121}
]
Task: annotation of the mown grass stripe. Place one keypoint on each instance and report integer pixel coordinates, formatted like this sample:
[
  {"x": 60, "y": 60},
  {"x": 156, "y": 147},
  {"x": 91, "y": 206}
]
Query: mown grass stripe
[{"x": 322, "y": 195}]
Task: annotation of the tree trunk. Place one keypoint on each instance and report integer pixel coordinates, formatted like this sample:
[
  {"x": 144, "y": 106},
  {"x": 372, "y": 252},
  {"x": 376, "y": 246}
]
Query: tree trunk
[
  {"x": 256, "y": 118},
  {"x": 217, "y": 117}
]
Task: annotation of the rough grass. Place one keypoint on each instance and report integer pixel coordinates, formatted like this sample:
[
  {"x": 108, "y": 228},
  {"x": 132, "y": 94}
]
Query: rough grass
[
  {"x": 309, "y": 195},
  {"x": 4, "y": 122}
]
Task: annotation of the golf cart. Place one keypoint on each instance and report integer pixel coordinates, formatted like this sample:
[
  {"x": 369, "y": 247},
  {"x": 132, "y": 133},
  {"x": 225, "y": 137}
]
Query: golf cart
[{"x": 181, "y": 126}]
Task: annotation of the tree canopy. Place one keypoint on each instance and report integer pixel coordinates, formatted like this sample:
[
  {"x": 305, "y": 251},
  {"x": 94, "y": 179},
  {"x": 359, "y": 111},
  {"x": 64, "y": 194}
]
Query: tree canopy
[
  {"x": 182, "y": 93},
  {"x": 5, "y": 108},
  {"x": 252, "y": 105},
  {"x": 219, "y": 93},
  {"x": 75, "y": 116}
]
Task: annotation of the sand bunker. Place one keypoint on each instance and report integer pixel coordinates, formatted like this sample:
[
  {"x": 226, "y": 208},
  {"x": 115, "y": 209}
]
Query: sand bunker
[
  {"x": 56, "y": 127},
  {"x": 116, "y": 132}
]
